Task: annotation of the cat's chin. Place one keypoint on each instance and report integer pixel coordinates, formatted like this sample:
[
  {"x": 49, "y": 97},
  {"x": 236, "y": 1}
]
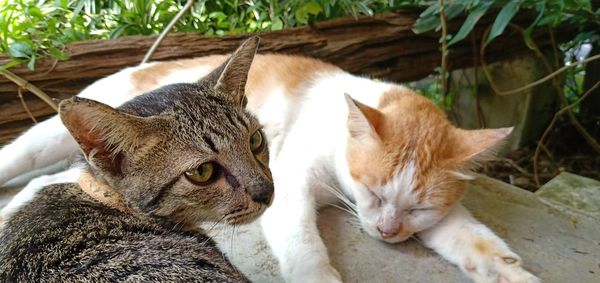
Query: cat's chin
[
  {"x": 395, "y": 239},
  {"x": 246, "y": 218}
]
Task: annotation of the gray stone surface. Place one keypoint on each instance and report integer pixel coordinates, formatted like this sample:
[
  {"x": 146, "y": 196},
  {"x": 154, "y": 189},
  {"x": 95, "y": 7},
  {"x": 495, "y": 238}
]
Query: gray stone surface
[
  {"x": 575, "y": 191},
  {"x": 558, "y": 245}
]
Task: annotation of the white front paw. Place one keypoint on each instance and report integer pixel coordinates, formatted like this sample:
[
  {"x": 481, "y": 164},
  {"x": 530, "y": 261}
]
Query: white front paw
[
  {"x": 498, "y": 268},
  {"x": 314, "y": 273}
]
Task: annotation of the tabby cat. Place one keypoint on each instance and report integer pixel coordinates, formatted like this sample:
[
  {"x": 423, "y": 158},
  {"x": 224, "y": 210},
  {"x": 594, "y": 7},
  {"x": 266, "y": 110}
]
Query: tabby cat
[
  {"x": 156, "y": 167},
  {"x": 384, "y": 150}
]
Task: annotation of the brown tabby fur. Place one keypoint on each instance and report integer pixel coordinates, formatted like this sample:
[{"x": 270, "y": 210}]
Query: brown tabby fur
[{"x": 140, "y": 152}]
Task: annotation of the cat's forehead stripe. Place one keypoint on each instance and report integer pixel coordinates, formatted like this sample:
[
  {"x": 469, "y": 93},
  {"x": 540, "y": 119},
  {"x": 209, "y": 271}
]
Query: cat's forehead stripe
[
  {"x": 153, "y": 203},
  {"x": 208, "y": 141},
  {"x": 241, "y": 120}
]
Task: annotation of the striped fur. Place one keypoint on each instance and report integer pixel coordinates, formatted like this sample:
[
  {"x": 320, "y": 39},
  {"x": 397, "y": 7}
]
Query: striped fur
[{"x": 143, "y": 226}]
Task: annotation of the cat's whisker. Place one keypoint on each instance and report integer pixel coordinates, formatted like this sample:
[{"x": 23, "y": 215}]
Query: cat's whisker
[
  {"x": 211, "y": 228},
  {"x": 233, "y": 227},
  {"x": 342, "y": 208},
  {"x": 348, "y": 205},
  {"x": 414, "y": 237},
  {"x": 355, "y": 221}
]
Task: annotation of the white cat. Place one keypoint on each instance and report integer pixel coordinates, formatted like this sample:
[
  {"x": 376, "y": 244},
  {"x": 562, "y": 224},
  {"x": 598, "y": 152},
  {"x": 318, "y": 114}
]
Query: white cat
[{"x": 332, "y": 137}]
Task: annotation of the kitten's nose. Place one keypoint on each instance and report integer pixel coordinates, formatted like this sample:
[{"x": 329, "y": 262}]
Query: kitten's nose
[
  {"x": 387, "y": 233},
  {"x": 262, "y": 193}
]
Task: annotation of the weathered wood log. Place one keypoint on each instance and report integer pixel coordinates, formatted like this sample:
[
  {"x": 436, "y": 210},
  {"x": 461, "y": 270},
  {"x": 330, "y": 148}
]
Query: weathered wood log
[{"x": 382, "y": 46}]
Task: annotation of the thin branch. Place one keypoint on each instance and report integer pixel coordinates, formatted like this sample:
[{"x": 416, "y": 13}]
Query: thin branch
[
  {"x": 166, "y": 30},
  {"x": 480, "y": 116},
  {"x": 513, "y": 164},
  {"x": 444, "y": 63},
  {"x": 547, "y": 151},
  {"x": 20, "y": 94},
  {"x": 555, "y": 83},
  {"x": 533, "y": 84},
  {"x": 563, "y": 99},
  {"x": 549, "y": 128},
  {"x": 33, "y": 89}
]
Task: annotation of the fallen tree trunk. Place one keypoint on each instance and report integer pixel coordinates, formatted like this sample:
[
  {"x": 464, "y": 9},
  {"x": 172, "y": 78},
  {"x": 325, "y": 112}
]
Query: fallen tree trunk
[{"x": 382, "y": 46}]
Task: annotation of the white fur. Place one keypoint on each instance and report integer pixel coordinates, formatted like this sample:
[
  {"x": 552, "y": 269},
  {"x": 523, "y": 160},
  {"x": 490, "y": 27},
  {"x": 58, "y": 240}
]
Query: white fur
[
  {"x": 308, "y": 140},
  {"x": 454, "y": 237},
  {"x": 392, "y": 206},
  {"x": 43, "y": 145}
]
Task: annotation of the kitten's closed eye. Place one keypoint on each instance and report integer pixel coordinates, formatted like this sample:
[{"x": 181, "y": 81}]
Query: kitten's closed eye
[
  {"x": 204, "y": 174},
  {"x": 374, "y": 196},
  {"x": 419, "y": 209}
]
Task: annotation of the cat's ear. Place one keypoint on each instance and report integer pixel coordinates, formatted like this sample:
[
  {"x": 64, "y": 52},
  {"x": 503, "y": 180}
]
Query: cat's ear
[
  {"x": 230, "y": 78},
  {"x": 104, "y": 134},
  {"x": 477, "y": 145},
  {"x": 363, "y": 121}
]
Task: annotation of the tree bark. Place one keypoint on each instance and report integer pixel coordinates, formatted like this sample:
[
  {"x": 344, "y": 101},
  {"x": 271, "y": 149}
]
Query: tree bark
[{"x": 382, "y": 46}]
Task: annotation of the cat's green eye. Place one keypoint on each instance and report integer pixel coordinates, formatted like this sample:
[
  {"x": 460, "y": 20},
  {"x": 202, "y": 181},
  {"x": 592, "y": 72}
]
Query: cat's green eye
[
  {"x": 203, "y": 174},
  {"x": 257, "y": 142}
]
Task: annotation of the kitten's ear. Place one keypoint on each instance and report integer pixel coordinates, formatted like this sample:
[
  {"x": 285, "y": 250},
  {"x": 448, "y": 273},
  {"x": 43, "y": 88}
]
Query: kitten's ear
[
  {"x": 363, "y": 121},
  {"x": 478, "y": 145},
  {"x": 104, "y": 134},
  {"x": 230, "y": 78}
]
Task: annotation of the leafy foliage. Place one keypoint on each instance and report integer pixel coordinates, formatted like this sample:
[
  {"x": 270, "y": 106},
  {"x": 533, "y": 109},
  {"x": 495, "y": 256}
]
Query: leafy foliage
[
  {"x": 549, "y": 13},
  {"x": 30, "y": 29}
]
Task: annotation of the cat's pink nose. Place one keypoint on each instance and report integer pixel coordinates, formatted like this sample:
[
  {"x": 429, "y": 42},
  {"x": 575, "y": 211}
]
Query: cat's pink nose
[{"x": 387, "y": 233}]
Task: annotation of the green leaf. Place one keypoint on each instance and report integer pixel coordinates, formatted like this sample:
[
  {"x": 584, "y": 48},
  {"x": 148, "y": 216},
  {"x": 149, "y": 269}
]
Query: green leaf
[
  {"x": 11, "y": 64},
  {"x": 309, "y": 8},
  {"x": 502, "y": 20},
  {"x": 217, "y": 15},
  {"x": 35, "y": 12},
  {"x": 528, "y": 39},
  {"x": 453, "y": 10},
  {"x": 426, "y": 24},
  {"x": 313, "y": 8},
  {"x": 31, "y": 63},
  {"x": 277, "y": 24},
  {"x": 20, "y": 50},
  {"x": 54, "y": 52},
  {"x": 432, "y": 10},
  {"x": 470, "y": 22}
]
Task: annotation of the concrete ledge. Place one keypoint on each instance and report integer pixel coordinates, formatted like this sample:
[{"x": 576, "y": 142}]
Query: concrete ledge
[
  {"x": 558, "y": 245},
  {"x": 573, "y": 191}
]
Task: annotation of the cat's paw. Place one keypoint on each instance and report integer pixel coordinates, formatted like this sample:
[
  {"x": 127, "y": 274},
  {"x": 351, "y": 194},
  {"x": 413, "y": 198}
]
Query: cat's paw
[{"x": 498, "y": 268}]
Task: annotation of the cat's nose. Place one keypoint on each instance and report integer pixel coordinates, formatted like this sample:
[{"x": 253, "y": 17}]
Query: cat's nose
[
  {"x": 262, "y": 193},
  {"x": 387, "y": 232}
]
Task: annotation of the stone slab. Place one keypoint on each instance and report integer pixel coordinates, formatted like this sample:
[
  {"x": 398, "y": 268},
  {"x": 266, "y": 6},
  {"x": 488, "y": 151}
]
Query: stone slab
[
  {"x": 574, "y": 191},
  {"x": 556, "y": 244}
]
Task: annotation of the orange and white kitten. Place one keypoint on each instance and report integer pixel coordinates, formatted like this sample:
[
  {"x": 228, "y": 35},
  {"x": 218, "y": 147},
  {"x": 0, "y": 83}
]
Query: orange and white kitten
[{"x": 333, "y": 136}]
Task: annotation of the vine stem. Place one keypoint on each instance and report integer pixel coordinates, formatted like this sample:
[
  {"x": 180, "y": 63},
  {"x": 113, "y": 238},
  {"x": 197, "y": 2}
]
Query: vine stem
[
  {"x": 168, "y": 28},
  {"x": 444, "y": 63},
  {"x": 548, "y": 77},
  {"x": 588, "y": 138},
  {"x": 530, "y": 85},
  {"x": 549, "y": 128},
  {"x": 33, "y": 89},
  {"x": 20, "y": 94}
]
